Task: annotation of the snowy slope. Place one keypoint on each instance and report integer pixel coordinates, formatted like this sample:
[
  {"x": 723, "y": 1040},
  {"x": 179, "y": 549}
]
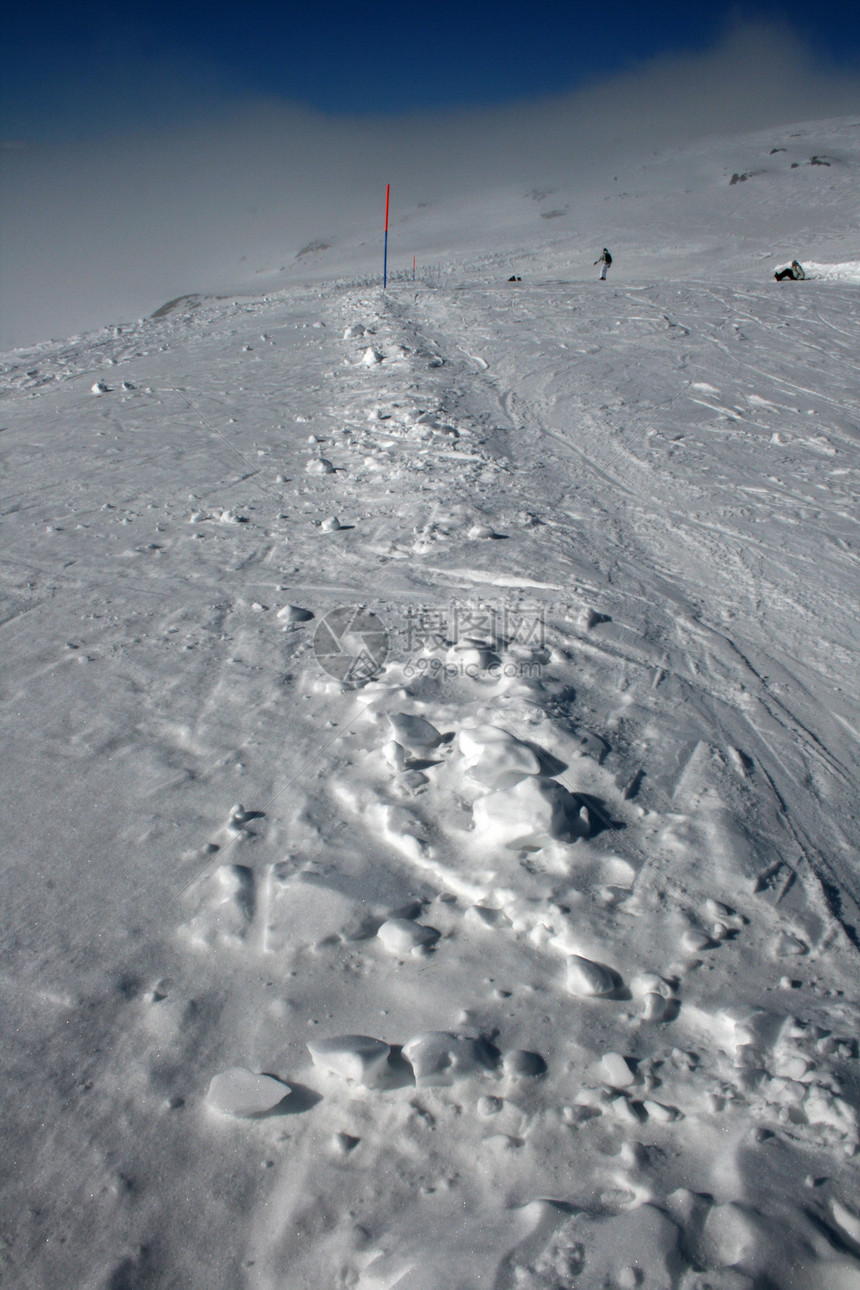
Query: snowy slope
[{"x": 495, "y": 920}]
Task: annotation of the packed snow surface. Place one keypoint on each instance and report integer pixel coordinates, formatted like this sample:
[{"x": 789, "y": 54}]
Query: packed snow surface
[{"x": 462, "y": 892}]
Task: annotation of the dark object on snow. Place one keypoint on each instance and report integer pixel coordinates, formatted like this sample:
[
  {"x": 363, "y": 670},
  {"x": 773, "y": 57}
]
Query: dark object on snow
[
  {"x": 794, "y": 273},
  {"x": 514, "y": 278},
  {"x": 743, "y": 176}
]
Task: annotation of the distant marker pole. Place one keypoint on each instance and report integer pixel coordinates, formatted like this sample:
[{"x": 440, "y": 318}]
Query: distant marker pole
[
  {"x": 385, "y": 255},
  {"x": 413, "y": 268}
]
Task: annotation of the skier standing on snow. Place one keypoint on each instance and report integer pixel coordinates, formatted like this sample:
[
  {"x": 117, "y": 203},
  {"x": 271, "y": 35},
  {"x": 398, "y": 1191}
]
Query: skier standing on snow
[{"x": 604, "y": 261}]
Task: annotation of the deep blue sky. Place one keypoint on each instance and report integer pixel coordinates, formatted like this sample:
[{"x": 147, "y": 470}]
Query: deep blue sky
[{"x": 100, "y": 66}]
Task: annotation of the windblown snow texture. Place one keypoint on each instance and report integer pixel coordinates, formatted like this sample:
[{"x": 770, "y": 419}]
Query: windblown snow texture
[{"x": 430, "y": 779}]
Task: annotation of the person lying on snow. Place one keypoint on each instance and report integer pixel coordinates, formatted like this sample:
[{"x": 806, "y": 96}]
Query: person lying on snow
[{"x": 794, "y": 273}]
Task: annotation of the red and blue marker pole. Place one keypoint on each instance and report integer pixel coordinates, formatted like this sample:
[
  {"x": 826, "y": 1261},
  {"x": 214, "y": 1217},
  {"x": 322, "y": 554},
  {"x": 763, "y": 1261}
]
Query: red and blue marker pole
[{"x": 385, "y": 256}]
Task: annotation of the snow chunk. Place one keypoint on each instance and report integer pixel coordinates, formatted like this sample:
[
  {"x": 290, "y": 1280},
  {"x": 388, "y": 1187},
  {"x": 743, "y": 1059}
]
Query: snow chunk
[
  {"x": 693, "y": 941},
  {"x": 355, "y": 1057},
  {"x": 371, "y": 357},
  {"x": 395, "y": 754},
  {"x": 654, "y": 1007},
  {"x": 584, "y": 977},
  {"x": 100, "y": 388},
  {"x": 495, "y": 758},
  {"x": 319, "y": 466},
  {"x": 294, "y": 614},
  {"x": 402, "y": 936},
  {"x": 238, "y": 817},
  {"x": 438, "y": 1058},
  {"x": 413, "y": 732},
  {"x": 532, "y": 813},
  {"x": 240, "y": 1092},
  {"x": 331, "y": 524},
  {"x": 615, "y": 1072}
]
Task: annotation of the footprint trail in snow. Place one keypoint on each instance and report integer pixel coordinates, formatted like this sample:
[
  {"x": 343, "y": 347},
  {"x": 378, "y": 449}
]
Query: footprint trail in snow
[{"x": 463, "y": 764}]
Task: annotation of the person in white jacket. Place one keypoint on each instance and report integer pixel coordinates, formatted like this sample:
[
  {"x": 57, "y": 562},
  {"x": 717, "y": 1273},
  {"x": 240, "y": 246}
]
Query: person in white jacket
[{"x": 604, "y": 262}]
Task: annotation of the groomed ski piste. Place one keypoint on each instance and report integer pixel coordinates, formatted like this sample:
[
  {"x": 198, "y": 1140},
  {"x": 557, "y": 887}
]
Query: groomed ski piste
[{"x": 430, "y": 780}]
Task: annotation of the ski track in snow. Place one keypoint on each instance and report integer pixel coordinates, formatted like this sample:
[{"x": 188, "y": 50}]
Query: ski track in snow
[{"x": 562, "y": 892}]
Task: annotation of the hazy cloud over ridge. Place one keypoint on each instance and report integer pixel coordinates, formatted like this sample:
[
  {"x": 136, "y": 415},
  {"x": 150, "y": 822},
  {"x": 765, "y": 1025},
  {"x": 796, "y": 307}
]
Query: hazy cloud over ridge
[{"x": 108, "y": 231}]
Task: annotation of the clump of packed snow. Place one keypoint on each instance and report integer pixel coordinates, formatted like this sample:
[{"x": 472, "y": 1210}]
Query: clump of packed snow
[
  {"x": 404, "y": 936},
  {"x": 589, "y": 979},
  {"x": 495, "y": 758},
  {"x": 319, "y": 466},
  {"x": 352, "y": 1057},
  {"x": 413, "y": 732},
  {"x": 292, "y": 615},
  {"x": 531, "y": 814}
]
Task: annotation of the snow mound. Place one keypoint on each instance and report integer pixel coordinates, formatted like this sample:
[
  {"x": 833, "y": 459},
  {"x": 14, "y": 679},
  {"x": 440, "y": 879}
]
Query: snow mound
[
  {"x": 402, "y": 936},
  {"x": 532, "y": 814},
  {"x": 495, "y": 758},
  {"x": 844, "y": 271},
  {"x": 319, "y": 466},
  {"x": 590, "y": 979}
]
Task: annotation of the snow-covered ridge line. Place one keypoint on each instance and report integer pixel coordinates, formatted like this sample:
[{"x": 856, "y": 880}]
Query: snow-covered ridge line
[{"x": 670, "y": 211}]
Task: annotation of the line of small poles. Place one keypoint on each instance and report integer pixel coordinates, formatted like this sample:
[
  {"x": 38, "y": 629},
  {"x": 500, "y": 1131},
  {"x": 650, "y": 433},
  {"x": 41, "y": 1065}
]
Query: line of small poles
[{"x": 385, "y": 252}]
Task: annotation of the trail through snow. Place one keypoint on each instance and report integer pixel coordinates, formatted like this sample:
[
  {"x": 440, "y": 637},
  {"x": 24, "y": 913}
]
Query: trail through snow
[{"x": 431, "y": 791}]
